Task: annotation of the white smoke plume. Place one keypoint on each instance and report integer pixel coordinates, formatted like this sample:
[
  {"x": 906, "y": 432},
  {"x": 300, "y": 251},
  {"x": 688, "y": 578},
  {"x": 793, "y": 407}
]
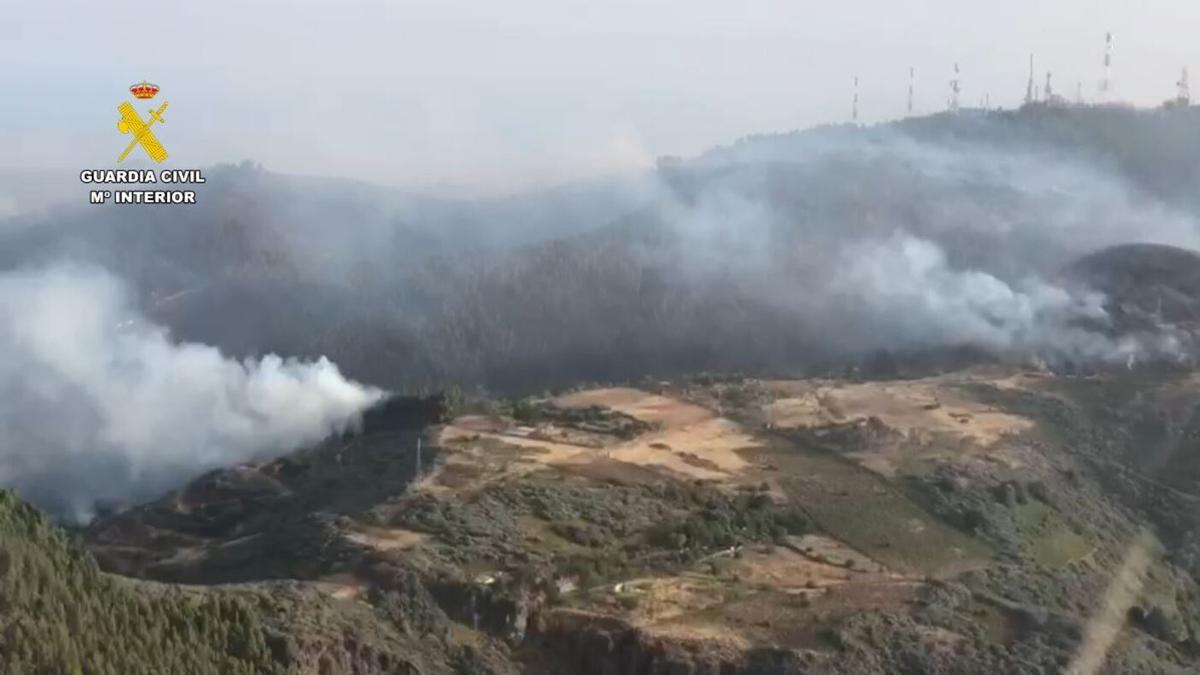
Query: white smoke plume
[
  {"x": 907, "y": 283},
  {"x": 102, "y": 407},
  {"x": 887, "y": 242}
]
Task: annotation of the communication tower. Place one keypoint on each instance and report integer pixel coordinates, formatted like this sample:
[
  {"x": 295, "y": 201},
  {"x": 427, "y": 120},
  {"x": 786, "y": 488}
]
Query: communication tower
[
  {"x": 1106, "y": 82},
  {"x": 955, "y": 90},
  {"x": 854, "y": 106},
  {"x": 1030, "y": 88},
  {"x": 912, "y": 76}
]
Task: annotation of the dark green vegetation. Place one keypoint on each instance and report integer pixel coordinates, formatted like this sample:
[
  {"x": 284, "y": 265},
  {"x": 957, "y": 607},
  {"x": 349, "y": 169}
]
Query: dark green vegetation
[
  {"x": 281, "y": 520},
  {"x": 595, "y": 419},
  {"x": 563, "y": 526},
  {"x": 60, "y": 614}
]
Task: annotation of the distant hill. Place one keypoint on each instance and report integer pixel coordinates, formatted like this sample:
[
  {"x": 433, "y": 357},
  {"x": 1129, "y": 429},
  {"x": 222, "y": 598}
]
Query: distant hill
[
  {"x": 751, "y": 257},
  {"x": 1146, "y": 284}
]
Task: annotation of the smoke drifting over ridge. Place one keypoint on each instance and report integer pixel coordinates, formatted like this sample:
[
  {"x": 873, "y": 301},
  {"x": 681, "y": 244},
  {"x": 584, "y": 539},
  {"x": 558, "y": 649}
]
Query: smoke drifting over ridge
[
  {"x": 774, "y": 255},
  {"x": 907, "y": 285},
  {"x": 878, "y": 239},
  {"x": 780, "y": 255},
  {"x": 102, "y": 407}
]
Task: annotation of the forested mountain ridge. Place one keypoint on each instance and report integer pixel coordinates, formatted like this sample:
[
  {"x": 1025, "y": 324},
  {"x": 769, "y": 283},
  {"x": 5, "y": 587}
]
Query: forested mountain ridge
[
  {"x": 741, "y": 259},
  {"x": 61, "y": 615}
]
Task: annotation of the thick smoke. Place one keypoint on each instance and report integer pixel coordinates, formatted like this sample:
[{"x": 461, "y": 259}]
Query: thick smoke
[
  {"x": 787, "y": 254},
  {"x": 102, "y": 407},
  {"x": 906, "y": 285},
  {"x": 879, "y": 240}
]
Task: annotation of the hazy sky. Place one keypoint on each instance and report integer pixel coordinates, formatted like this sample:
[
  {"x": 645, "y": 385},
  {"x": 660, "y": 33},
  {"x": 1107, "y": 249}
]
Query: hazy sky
[{"x": 503, "y": 94}]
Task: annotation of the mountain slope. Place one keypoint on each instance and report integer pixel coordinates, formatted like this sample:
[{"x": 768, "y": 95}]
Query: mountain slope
[
  {"x": 60, "y": 614},
  {"x": 974, "y": 521}
]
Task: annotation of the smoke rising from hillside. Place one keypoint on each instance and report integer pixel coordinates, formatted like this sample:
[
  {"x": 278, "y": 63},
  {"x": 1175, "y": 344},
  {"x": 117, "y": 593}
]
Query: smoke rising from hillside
[
  {"x": 906, "y": 286},
  {"x": 102, "y": 407},
  {"x": 780, "y": 255},
  {"x": 877, "y": 239}
]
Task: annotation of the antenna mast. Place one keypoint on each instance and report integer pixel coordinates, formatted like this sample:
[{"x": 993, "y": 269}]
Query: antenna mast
[
  {"x": 955, "y": 89},
  {"x": 912, "y": 75},
  {"x": 854, "y": 108},
  {"x": 1106, "y": 83},
  {"x": 1184, "y": 97},
  {"x": 1049, "y": 96},
  {"x": 1030, "y": 89}
]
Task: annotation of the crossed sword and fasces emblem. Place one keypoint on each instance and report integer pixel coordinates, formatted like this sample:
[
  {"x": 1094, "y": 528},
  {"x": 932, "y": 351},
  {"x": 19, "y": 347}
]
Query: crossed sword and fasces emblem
[{"x": 131, "y": 123}]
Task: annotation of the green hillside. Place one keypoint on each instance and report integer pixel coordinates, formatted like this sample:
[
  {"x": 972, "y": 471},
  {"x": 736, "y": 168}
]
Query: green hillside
[{"x": 60, "y": 614}]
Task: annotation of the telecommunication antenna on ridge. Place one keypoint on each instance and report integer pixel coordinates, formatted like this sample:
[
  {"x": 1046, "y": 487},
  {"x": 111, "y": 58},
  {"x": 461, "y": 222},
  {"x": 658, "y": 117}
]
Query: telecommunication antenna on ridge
[
  {"x": 854, "y": 108},
  {"x": 1079, "y": 93},
  {"x": 1184, "y": 97},
  {"x": 1030, "y": 88},
  {"x": 912, "y": 75},
  {"x": 1106, "y": 83},
  {"x": 955, "y": 89},
  {"x": 1049, "y": 95}
]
